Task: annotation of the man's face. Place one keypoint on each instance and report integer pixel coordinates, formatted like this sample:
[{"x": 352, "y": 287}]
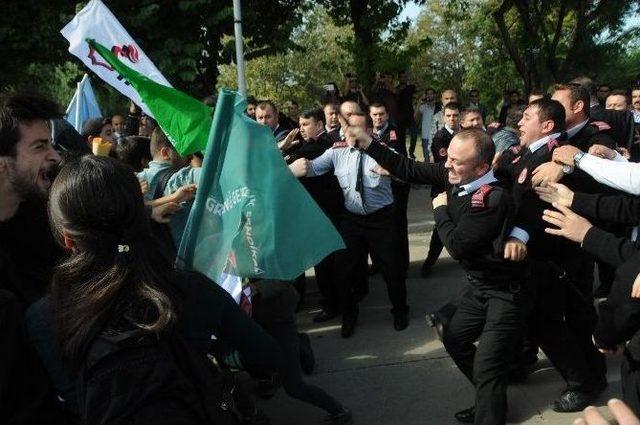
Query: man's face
[
  {"x": 310, "y": 128},
  {"x": 617, "y": 102},
  {"x": 462, "y": 163},
  {"x": 107, "y": 133},
  {"x": 531, "y": 129},
  {"x": 146, "y": 126},
  {"x": 378, "y": 116},
  {"x": 31, "y": 170},
  {"x": 353, "y": 83},
  {"x": 514, "y": 98},
  {"x": 267, "y": 116},
  {"x": 564, "y": 97},
  {"x": 251, "y": 110},
  {"x": 449, "y": 96},
  {"x": 292, "y": 110},
  {"x": 635, "y": 99},
  {"x": 474, "y": 97},
  {"x": 359, "y": 121},
  {"x": 603, "y": 93},
  {"x": 348, "y": 108},
  {"x": 430, "y": 96},
  {"x": 117, "y": 122},
  {"x": 331, "y": 116},
  {"x": 472, "y": 120},
  {"x": 402, "y": 78},
  {"x": 451, "y": 118}
]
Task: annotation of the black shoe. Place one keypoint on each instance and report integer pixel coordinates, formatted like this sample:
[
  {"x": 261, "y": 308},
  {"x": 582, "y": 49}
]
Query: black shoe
[
  {"x": 436, "y": 324},
  {"x": 400, "y": 321},
  {"x": 307, "y": 359},
  {"x": 573, "y": 401},
  {"x": 323, "y": 316},
  {"x": 467, "y": 415},
  {"x": 343, "y": 418},
  {"x": 349, "y": 324}
]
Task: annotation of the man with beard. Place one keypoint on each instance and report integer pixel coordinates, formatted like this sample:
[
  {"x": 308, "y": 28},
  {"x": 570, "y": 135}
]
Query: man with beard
[{"x": 27, "y": 252}]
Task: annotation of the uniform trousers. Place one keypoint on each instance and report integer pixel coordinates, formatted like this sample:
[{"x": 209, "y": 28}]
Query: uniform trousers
[
  {"x": 373, "y": 233},
  {"x": 493, "y": 316},
  {"x": 400, "y": 202}
]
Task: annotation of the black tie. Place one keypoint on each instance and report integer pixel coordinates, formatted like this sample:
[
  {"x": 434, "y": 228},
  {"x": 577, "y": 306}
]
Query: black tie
[
  {"x": 456, "y": 189},
  {"x": 563, "y": 136},
  {"x": 360, "y": 178}
]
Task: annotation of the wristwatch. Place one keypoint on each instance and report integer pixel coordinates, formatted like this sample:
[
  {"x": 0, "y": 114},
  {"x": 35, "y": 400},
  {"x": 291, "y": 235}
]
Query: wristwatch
[
  {"x": 567, "y": 169},
  {"x": 577, "y": 157}
]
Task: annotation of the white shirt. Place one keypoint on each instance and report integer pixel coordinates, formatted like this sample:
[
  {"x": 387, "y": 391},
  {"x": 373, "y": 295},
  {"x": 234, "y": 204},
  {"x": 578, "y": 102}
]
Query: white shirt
[
  {"x": 475, "y": 185},
  {"x": 426, "y": 112},
  {"x": 617, "y": 173}
]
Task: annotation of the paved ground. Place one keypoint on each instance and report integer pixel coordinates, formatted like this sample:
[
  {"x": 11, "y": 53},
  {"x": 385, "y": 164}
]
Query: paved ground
[{"x": 389, "y": 377}]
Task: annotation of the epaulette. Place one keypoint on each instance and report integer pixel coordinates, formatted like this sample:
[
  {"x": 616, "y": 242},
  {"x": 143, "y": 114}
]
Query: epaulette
[
  {"x": 552, "y": 143},
  {"x": 479, "y": 196},
  {"x": 516, "y": 148},
  {"x": 601, "y": 125},
  {"x": 342, "y": 144},
  {"x": 393, "y": 136}
]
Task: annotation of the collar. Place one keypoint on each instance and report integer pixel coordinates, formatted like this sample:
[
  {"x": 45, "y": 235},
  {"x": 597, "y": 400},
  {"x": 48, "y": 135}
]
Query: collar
[
  {"x": 576, "y": 128},
  {"x": 275, "y": 130},
  {"x": 449, "y": 129},
  {"x": 329, "y": 130},
  {"x": 475, "y": 185},
  {"x": 382, "y": 130},
  {"x": 541, "y": 142}
]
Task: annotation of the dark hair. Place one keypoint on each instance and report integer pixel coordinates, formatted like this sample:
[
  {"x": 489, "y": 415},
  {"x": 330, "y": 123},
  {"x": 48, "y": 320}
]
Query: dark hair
[
  {"x": 577, "y": 93},
  {"x": 619, "y": 92},
  {"x": 267, "y": 103},
  {"x": 537, "y": 92},
  {"x": 485, "y": 149},
  {"x": 453, "y": 106},
  {"x": 378, "y": 105},
  {"x": 315, "y": 113},
  {"x": 20, "y": 108},
  {"x": 587, "y": 83},
  {"x": 514, "y": 115},
  {"x": 467, "y": 111},
  {"x": 93, "y": 126},
  {"x": 133, "y": 150},
  {"x": 514, "y": 92},
  {"x": 474, "y": 91},
  {"x": 117, "y": 267},
  {"x": 252, "y": 100},
  {"x": 549, "y": 109},
  {"x": 332, "y": 104}
]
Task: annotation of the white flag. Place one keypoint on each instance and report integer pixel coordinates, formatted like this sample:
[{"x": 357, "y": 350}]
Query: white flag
[{"x": 97, "y": 22}]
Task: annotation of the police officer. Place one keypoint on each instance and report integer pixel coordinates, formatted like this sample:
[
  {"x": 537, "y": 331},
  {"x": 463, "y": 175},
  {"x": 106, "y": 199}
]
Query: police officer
[
  {"x": 542, "y": 124},
  {"x": 267, "y": 114},
  {"x": 387, "y": 134},
  {"x": 327, "y": 194},
  {"x": 364, "y": 226},
  {"x": 473, "y": 218}
]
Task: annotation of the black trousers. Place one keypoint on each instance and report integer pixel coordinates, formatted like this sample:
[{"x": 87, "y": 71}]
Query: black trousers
[
  {"x": 400, "y": 202},
  {"x": 435, "y": 248},
  {"x": 373, "y": 234},
  {"x": 326, "y": 279},
  {"x": 494, "y": 317},
  {"x": 412, "y": 128}
]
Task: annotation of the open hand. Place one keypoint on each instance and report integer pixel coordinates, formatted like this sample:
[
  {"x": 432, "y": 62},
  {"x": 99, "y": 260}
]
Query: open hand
[
  {"x": 515, "y": 250},
  {"x": 621, "y": 413},
  {"x": 569, "y": 224},
  {"x": 549, "y": 172},
  {"x": 555, "y": 193}
]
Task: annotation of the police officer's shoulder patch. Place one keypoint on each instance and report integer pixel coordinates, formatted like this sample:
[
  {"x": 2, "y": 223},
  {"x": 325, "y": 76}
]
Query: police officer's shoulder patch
[
  {"x": 516, "y": 148},
  {"x": 341, "y": 144},
  {"x": 600, "y": 125},
  {"x": 480, "y": 196},
  {"x": 393, "y": 136},
  {"x": 552, "y": 143}
]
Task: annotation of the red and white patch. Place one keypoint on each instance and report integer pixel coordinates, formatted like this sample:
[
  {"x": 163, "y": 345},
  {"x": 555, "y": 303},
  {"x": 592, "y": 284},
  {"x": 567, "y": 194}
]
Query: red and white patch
[
  {"x": 339, "y": 145},
  {"x": 523, "y": 176},
  {"x": 478, "y": 198},
  {"x": 442, "y": 152},
  {"x": 601, "y": 125},
  {"x": 552, "y": 143},
  {"x": 393, "y": 136},
  {"x": 516, "y": 159}
]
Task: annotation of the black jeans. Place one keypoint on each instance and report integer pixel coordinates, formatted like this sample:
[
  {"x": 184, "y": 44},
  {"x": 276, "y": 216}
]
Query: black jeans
[
  {"x": 373, "y": 233},
  {"x": 495, "y": 318},
  {"x": 400, "y": 202}
]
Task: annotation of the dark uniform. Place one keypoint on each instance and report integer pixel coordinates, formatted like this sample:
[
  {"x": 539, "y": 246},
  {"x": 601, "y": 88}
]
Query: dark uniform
[
  {"x": 619, "y": 318},
  {"x": 621, "y": 123},
  {"x": 326, "y": 192},
  {"x": 473, "y": 227},
  {"x": 439, "y": 146},
  {"x": 550, "y": 258},
  {"x": 401, "y": 191},
  {"x": 334, "y": 134}
]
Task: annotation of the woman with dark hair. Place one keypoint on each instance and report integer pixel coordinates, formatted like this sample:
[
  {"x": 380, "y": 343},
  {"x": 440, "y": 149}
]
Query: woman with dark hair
[{"x": 134, "y": 331}]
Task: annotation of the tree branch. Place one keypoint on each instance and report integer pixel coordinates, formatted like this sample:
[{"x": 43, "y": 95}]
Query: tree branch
[{"x": 498, "y": 16}]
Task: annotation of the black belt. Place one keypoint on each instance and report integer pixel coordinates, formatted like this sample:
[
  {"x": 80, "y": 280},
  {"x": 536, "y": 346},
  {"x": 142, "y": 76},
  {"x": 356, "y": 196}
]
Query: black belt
[{"x": 512, "y": 286}]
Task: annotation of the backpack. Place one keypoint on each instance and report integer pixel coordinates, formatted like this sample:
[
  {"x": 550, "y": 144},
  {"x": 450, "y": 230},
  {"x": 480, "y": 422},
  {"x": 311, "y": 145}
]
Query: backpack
[{"x": 137, "y": 377}]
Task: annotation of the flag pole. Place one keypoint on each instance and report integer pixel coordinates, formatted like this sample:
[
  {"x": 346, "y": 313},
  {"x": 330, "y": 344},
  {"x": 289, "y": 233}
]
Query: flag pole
[{"x": 237, "y": 20}]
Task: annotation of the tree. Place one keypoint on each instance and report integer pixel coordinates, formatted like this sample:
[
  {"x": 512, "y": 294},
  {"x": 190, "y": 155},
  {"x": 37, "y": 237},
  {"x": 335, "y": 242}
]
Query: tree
[{"x": 548, "y": 40}]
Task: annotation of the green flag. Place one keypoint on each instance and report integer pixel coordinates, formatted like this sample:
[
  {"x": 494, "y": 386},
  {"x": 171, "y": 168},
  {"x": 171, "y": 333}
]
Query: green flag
[
  {"x": 251, "y": 216},
  {"x": 185, "y": 120}
]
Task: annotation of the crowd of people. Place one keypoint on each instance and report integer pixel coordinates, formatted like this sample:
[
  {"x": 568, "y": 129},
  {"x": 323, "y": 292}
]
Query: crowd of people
[{"x": 535, "y": 200}]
